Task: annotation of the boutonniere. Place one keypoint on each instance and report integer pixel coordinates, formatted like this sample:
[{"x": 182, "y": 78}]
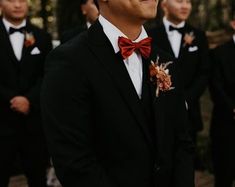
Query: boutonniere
[
  {"x": 29, "y": 39},
  {"x": 188, "y": 38},
  {"x": 159, "y": 75}
]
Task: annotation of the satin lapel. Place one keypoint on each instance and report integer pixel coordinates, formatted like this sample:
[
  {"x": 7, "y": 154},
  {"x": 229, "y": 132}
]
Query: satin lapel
[
  {"x": 184, "y": 49},
  {"x": 103, "y": 50},
  {"x": 164, "y": 41},
  {"x": 5, "y": 41},
  {"x": 26, "y": 50},
  {"x": 158, "y": 102}
]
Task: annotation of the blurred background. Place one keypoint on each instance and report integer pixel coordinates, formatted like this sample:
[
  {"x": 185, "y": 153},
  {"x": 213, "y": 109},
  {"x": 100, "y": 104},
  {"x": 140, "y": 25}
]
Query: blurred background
[{"x": 213, "y": 16}]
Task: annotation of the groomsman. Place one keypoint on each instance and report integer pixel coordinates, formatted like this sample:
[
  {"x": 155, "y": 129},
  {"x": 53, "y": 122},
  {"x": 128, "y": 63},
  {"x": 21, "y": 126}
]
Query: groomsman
[
  {"x": 23, "y": 51},
  {"x": 223, "y": 116},
  {"x": 189, "y": 47}
]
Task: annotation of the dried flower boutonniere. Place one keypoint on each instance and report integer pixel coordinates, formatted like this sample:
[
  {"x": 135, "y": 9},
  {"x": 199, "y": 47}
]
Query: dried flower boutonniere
[
  {"x": 29, "y": 39},
  {"x": 159, "y": 75},
  {"x": 188, "y": 38}
]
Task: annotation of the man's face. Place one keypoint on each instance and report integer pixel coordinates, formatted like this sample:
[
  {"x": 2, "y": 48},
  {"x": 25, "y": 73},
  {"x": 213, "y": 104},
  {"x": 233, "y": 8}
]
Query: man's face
[
  {"x": 14, "y": 10},
  {"x": 90, "y": 10},
  {"x": 133, "y": 10},
  {"x": 177, "y": 10},
  {"x": 232, "y": 24}
]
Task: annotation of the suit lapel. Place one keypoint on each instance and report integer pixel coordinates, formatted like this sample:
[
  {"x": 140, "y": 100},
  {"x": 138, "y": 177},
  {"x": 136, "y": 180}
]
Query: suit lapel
[
  {"x": 5, "y": 41},
  {"x": 103, "y": 50},
  {"x": 184, "y": 49},
  {"x": 164, "y": 41},
  {"x": 26, "y": 50},
  {"x": 158, "y": 103}
]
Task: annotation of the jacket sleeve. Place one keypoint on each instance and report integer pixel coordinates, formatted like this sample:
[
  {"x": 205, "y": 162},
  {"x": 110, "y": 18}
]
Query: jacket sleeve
[{"x": 66, "y": 100}]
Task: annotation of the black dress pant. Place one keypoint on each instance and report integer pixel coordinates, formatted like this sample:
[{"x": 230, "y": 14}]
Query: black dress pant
[
  {"x": 223, "y": 155},
  {"x": 32, "y": 153}
]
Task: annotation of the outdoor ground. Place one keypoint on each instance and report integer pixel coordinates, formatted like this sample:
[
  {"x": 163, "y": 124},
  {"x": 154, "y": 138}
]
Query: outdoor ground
[{"x": 203, "y": 179}]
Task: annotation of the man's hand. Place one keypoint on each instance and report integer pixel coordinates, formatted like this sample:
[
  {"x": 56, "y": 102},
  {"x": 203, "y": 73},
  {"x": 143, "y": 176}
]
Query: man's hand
[{"x": 20, "y": 104}]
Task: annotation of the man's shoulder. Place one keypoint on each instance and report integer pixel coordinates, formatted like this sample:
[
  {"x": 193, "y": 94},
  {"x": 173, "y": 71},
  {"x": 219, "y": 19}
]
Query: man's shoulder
[
  {"x": 195, "y": 30},
  {"x": 223, "y": 48},
  {"x": 30, "y": 27}
]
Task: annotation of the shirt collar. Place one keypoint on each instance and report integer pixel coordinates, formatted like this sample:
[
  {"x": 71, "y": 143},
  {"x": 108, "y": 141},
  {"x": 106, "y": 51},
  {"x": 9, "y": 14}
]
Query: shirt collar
[
  {"x": 167, "y": 24},
  {"x": 234, "y": 38},
  {"x": 112, "y": 32},
  {"x": 8, "y": 24}
]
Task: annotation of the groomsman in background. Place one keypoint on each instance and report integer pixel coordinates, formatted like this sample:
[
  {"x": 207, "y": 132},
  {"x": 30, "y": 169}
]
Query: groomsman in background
[
  {"x": 190, "y": 48},
  {"x": 23, "y": 51},
  {"x": 223, "y": 116}
]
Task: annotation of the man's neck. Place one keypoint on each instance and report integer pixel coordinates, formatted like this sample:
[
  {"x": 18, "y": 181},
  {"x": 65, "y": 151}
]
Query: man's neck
[
  {"x": 14, "y": 22},
  {"x": 174, "y": 21},
  {"x": 130, "y": 28}
]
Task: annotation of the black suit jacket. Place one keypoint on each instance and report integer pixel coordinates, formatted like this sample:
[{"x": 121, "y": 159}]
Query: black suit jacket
[
  {"x": 222, "y": 87},
  {"x": 194, "y": 63},
  {"x": 21, "y": 78},
  {"x": 97, "y": 128}
]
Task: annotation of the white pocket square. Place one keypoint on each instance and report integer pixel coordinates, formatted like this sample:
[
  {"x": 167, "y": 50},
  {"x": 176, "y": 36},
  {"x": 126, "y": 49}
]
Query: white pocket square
[
  {"x": 192, "y": 49},
  {"x": 35, "y": 51}
]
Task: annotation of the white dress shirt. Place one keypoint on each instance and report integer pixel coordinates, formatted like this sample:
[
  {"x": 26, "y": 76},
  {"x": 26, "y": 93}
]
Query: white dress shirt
[
  {"x": 16, "y": 39},
  {"x": 134, "y": 62},
  {"x": 234, "y": 38},
  {"x": 174, "y": 36}
]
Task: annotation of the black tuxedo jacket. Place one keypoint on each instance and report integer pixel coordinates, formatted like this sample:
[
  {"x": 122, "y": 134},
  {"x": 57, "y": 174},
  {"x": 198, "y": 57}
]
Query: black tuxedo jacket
[
  {"x": 99, "y": 132},
  {"x": 222, "y": 87},
  {"x": 194, "y": 63},
  {"x": 21, "y": 78}
]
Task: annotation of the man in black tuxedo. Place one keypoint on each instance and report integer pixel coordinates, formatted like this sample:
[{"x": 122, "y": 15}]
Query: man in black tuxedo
[
  {"x": 88, "y": 12},
  {"x": 189, "y": 47},
  {"x": 105, "y": 124},
  {"x": 23, "y": 50},
  {"x": 223, "y": 116}
]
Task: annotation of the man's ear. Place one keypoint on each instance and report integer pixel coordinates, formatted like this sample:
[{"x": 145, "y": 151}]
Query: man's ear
[{"x": 232, "y": 24}]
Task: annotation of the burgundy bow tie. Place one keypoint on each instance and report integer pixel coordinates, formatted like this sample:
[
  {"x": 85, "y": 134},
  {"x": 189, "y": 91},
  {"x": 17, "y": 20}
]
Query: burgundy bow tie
[{"x": 127, "y": 47}]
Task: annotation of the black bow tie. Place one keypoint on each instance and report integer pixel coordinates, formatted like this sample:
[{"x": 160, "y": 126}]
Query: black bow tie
[
  {"x": 180, "y": 30},
  {"x": 13, "y": 30}
]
